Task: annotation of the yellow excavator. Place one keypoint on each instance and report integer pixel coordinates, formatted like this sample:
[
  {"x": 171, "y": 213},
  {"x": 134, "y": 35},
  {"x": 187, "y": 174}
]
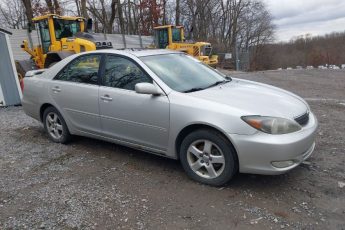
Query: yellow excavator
[
  {"x": 172, "y": 37},
  {"x": 59, "y": 37}
]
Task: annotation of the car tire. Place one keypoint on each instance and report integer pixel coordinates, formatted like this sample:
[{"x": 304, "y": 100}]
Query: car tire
[
  {"x": 55, "y": 126},
  {"x": 208, "y": 157}
]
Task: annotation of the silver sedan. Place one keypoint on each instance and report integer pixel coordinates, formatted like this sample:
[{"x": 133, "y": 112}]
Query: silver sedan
[{"x": 170, "y": 104}]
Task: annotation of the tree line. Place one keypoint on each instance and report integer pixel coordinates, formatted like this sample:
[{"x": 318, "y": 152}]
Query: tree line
[
  {"x": 230, "y": 25},
  {"x": 303, "y": 51}
]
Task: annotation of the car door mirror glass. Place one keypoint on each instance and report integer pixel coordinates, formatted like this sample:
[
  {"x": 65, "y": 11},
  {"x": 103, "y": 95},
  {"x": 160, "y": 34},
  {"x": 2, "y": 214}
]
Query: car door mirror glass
[{"x": 147, "y": 88}]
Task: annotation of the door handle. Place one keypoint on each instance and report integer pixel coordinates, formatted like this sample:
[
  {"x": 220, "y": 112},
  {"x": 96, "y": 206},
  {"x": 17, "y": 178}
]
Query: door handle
[
  {"x": 56, "y": 89},
  {"x": 106, "y": 97}
]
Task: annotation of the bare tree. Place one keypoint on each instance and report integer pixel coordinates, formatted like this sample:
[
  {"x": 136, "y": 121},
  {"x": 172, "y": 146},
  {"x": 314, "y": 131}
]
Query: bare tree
[
  {"x": 12, "y": 14},
  {"x": 57, "y": 8},
  {"x": 177, "y": 13},
  {"x": 113, "y": 5},
  {"x": 53, "y": 6},
  {"x": 50, "y": 6},
  {"x": 28, "y": 10},
  {"x": 83, "y": 9},
  {"x": 129, "y": 17},
  {"x": 303, "y": 51},
  {"x": 230, "y": 25},
  {"x": 121, "y": 21}
]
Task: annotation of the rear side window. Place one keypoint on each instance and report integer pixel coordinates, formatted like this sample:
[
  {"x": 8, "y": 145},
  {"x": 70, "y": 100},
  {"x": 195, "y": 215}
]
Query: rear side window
[
  {"x": 123, "y": 73},
  {"x": 83, "y": 69}
]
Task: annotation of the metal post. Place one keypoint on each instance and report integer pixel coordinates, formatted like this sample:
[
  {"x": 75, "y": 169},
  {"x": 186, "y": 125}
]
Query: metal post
[
  {"x": 30, "y": 39},
  {"x": 139, "y": 33},
  {"x": 140, "y": 41},
  {"x": 249, "y": 62},
  {"x": 237, "y": 57},
  {"x": 105, "y": 34},
  {"x": 124, "y": 40}
]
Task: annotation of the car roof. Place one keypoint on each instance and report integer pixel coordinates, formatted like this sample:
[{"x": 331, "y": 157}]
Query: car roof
[
  {"x": 149, "y": 52},
  {"x": 138, "y": 52}
]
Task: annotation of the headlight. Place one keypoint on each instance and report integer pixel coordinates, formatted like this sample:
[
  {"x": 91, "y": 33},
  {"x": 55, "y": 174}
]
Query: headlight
[{"x": 272, "y": 125}]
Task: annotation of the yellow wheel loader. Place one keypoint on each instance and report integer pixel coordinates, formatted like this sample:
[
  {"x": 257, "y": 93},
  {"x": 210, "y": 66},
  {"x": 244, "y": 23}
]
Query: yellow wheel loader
[
  {"x": 172, "y": 37},
  {"x": 59, "y": 37}
]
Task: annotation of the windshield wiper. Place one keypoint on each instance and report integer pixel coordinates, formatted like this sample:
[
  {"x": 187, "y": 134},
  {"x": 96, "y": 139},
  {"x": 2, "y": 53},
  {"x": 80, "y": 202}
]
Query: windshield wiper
[
  {"x": 214, "y": 84},
  {"x": 193, "y": 90},
  {"x": 218, "y": 83}
]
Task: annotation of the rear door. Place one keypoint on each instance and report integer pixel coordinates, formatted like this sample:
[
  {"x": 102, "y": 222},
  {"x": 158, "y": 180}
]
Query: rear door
[
  {"x": 126, "y": 115},
  {"x": 75, "y": 91}
]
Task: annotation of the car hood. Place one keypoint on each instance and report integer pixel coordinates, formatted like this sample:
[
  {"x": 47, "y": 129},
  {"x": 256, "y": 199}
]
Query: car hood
[{"x": 254, "y": 98}]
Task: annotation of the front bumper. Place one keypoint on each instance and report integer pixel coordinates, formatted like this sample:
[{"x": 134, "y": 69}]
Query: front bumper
[{"x": 257, "y": 152}]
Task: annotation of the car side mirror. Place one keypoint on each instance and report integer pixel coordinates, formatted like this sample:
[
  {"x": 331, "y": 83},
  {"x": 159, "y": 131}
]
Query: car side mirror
[{"x": 148, "y": 88}]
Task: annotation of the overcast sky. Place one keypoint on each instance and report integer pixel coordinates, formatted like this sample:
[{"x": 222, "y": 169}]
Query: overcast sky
[{"x": 298, "y": 17}]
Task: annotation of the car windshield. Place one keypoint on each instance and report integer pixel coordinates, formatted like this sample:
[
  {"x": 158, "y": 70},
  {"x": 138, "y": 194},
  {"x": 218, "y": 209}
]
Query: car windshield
[{"x": 183, "y": 73}]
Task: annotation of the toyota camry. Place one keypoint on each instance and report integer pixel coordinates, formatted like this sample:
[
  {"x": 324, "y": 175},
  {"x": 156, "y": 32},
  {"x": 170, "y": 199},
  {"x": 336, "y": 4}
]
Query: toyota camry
[{"x": 168, "y": 103}]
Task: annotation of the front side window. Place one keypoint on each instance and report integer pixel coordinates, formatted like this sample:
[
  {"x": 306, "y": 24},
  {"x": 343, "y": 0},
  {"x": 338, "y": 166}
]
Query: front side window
[
  {"x": 83, "y": 69},
  {"x": 123, "y": 73},
  {"x": 66, "y": 28}
]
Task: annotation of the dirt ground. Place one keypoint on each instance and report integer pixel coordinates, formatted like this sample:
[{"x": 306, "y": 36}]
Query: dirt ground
[{"x": 90, "y": 184}]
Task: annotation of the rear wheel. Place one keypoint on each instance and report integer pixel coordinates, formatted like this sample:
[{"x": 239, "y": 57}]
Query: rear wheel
[
  {"x": 55, "y": 126},
  {"x": 208, "y": 157}
]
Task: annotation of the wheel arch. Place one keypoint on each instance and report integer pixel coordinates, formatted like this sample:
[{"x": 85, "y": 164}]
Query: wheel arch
[
  {"x": 193, "y": 127},
  {"x": 43, "y": 108}
]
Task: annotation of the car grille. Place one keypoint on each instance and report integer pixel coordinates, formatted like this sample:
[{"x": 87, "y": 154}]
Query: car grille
[{"x": 303, "y": 119}]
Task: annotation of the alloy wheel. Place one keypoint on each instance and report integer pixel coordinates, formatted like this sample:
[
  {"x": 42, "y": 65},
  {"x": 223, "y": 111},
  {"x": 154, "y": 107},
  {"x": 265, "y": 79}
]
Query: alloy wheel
[
  {"x": 206, "y": 159},
  {"x": 54, "y": 125}
]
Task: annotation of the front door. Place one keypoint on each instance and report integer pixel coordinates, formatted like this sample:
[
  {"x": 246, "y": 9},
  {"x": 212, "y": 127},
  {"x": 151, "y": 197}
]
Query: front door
[
  {"x": 75, "y": 90},
  {"x": 126, "y": 115}
]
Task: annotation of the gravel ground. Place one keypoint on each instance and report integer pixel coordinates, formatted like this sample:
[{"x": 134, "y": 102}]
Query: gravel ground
[{"x": 91, "y": 184}]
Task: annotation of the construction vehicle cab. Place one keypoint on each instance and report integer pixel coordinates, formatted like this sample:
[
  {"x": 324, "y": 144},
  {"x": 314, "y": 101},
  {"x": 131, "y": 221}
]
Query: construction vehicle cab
[
  {"x": 165, "y": 35},
  {"x": 60, "y": 37},
  {"x": 172, "y": 37}
]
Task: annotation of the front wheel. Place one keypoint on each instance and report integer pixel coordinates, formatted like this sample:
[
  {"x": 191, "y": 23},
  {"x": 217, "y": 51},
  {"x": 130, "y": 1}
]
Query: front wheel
[
  {"x": 208, "y": 157},
  {"x": 55, "y": 126}
]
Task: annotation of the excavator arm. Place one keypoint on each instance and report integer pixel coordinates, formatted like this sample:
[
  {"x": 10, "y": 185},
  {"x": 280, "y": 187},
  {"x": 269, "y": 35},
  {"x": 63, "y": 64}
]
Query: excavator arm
[{"x": 25, "y": 47}]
